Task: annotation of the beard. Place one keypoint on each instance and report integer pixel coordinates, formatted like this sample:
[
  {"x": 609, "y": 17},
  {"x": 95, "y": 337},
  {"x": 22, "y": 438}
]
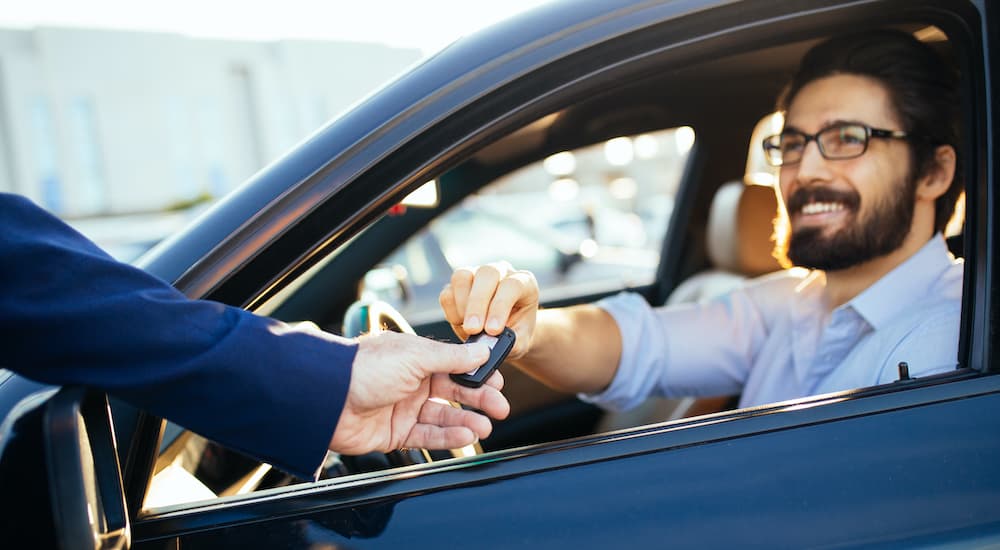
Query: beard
[{"x": 865, "y": 237}]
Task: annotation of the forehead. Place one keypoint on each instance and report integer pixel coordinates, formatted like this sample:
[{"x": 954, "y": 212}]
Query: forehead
[{"x": 843, "y": 97}]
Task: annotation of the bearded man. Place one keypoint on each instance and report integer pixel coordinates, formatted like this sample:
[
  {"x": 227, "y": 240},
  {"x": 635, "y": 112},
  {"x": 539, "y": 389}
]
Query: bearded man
[{"x": 868, "y": 182}]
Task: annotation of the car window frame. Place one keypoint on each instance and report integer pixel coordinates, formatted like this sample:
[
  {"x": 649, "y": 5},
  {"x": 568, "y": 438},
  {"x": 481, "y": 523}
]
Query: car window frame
[{"x": 975, "y": 322}]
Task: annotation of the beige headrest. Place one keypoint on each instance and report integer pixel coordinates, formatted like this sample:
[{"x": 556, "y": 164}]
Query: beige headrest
[{"x": 739, "y": 229}]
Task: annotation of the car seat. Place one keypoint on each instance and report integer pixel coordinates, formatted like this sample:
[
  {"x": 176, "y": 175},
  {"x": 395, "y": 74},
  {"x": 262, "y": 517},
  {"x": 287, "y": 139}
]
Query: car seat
[{"x": 738, "y": 242}]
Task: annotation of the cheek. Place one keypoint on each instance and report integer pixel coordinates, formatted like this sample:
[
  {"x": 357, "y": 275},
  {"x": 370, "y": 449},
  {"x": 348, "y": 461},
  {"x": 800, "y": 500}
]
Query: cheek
[
  {"x": 879, "y": 174},
  {"x": 870, "y": 183}
]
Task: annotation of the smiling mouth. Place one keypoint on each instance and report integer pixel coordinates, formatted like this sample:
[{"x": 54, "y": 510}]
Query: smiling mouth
[
  {"x": 814, "y": 206},
  {"x": 821, "y": 208}
]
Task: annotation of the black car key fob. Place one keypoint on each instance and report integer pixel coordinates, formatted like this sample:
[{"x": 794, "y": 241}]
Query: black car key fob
[{"x": 500, "y": 346}]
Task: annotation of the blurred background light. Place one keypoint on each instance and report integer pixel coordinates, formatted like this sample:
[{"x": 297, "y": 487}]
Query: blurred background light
[
  {"x": 623, "y": 188},
  {"x": 646, "y": 146},
  {"x": 560, "y": 164},
  {"x": 564, "y": 189},
  {"x": 588, "y": 248},
  {"x": 619, "y": 151},
  {"x": 684, "y": 138}
]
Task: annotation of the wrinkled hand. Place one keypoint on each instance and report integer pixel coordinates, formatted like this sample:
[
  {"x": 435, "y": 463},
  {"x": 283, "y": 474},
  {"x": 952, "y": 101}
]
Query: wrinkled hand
[
  {"x": 490, "y": 297},
  {"x": 388, "y": 403}
]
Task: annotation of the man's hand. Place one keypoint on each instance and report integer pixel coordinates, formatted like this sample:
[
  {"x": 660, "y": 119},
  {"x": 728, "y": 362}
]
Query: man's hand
[
  {"x": 388, "y": 403},
  {"x": 572, "y": 349},
  {"x": 490, "y": 297}
]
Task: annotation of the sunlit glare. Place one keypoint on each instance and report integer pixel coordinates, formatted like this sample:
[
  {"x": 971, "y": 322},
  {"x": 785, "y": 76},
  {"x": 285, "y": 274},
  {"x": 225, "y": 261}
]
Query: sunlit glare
[
  {"x": 619, "y": 151},
  {"x": 957, "y": 221},
  {"x": 646, "y": 146},
  {"x": 758, "y": 170},
  {"x": 468, "y": 450},
  {"x": 560, "y": 164},
  {"x": 425, "y": 196},
  {"x": 684, "y": 138},
  {"x": 588, "y": 248}
]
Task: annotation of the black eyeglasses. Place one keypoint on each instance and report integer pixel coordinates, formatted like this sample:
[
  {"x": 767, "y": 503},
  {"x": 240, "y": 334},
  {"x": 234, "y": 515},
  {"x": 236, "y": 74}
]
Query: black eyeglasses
[{"x": 840, "y": 141}]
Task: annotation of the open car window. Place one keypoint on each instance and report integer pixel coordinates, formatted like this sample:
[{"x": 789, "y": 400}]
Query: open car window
[
  {"x": 583, "y": 221},
  {"x": 586, "y": 221}
]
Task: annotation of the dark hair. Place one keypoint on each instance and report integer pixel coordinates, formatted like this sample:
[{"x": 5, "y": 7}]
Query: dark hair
[{"x": 921, "y": 85}]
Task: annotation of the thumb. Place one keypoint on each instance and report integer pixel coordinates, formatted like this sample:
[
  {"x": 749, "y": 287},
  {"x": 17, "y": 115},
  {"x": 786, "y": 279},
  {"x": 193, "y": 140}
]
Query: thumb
[{"x": 455, "y": 358}]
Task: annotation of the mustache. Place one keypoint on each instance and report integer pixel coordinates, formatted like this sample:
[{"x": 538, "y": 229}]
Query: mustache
[{"x": 850, "y": 199}]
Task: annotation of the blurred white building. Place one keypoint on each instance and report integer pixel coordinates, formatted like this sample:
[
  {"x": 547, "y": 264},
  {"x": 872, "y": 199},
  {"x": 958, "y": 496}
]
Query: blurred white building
[{"x": 97, "y": 122}]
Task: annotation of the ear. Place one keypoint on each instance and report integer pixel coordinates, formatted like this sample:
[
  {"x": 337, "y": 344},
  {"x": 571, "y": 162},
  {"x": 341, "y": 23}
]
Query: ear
[{"x": 938, "y": 178}]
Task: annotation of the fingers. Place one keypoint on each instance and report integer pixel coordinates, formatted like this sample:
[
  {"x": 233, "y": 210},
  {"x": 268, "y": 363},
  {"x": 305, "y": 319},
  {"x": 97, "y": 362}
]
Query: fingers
[
  {"x": 486, "y": 398},
  {"x": 466, "y": 299},
  {"x": 488, "y": 298},
  {"x": 495, "y": 380},
  {"x": 457, "y": 294},
  {"x": 441, "y": 426},
  {"x": 451, "y": 312},
  {"x": 427, "y": 436},
  {"x": 444, "y": 358},
  {"x": 518, "y": 290},
  {"x": 484, "y": 287},
  {"x": 444, "y": 415}
]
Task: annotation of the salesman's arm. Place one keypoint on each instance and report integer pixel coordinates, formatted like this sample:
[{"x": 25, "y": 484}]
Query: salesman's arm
[{"x": 71, "y": 314}]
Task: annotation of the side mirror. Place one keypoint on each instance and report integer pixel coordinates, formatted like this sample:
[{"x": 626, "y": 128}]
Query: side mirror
[{"x": 84, "y": 475}]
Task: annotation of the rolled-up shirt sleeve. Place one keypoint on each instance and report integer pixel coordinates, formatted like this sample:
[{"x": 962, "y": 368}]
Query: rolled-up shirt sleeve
[{"x": 684, "y": 350}]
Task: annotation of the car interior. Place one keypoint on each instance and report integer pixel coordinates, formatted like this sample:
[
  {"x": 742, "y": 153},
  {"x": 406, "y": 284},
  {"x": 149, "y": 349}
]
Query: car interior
[{"x": 715, "y": 233}]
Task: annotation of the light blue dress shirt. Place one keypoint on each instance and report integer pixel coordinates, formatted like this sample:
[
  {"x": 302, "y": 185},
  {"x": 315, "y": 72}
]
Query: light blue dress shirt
[{"x": 774, "y": 339}]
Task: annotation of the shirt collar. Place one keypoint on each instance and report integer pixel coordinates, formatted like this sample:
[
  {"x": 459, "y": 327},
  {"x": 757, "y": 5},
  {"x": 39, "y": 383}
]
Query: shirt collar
[{"x": 896, "y": 290}]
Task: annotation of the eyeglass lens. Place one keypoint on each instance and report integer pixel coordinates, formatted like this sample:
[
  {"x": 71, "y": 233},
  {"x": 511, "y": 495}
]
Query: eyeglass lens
[{"x": 836, "y": 142}]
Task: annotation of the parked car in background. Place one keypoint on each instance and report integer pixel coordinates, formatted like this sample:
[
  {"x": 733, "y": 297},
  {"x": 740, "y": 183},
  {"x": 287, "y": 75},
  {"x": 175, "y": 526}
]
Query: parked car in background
[{"x": 907, "y": 464}]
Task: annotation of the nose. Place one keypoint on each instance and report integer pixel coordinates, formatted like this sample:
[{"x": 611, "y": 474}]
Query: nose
[
  {"x": 810, "y": 170},
  {"x": 812, "y": 166}
]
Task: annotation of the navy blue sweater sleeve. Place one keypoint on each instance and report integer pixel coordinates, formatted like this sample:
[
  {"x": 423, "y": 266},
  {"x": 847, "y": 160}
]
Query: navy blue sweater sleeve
[{"x": 71, "y": 314}]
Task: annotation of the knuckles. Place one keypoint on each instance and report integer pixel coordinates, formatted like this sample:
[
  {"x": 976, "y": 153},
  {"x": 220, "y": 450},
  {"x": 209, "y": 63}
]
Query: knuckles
[{"x": 489, "y": 271}]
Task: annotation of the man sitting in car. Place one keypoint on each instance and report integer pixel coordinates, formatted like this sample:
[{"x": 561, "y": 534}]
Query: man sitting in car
[{"x": 868, "y": 182}]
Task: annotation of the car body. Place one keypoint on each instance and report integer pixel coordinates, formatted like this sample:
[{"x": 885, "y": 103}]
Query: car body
[{"x": 908, "y": 464}]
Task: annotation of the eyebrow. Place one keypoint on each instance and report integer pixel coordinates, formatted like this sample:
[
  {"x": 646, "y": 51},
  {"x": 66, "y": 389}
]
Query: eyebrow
[{"x": 830, "y": 124}]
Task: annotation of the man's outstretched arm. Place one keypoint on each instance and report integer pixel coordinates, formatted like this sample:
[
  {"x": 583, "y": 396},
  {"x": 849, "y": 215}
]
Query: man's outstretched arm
[{"x": 71, "y": 314}]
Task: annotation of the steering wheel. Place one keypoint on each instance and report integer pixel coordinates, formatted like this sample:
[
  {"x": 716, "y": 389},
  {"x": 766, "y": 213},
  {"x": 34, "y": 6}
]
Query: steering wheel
[{"x": 373, "y": 316}]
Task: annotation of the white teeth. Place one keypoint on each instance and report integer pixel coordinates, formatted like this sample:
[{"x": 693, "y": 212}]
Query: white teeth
[{"x": 821, "y": 207}]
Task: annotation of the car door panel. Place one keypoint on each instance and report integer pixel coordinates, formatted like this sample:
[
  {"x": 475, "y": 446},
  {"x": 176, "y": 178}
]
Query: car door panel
[{"x": 810, "y": 476}]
